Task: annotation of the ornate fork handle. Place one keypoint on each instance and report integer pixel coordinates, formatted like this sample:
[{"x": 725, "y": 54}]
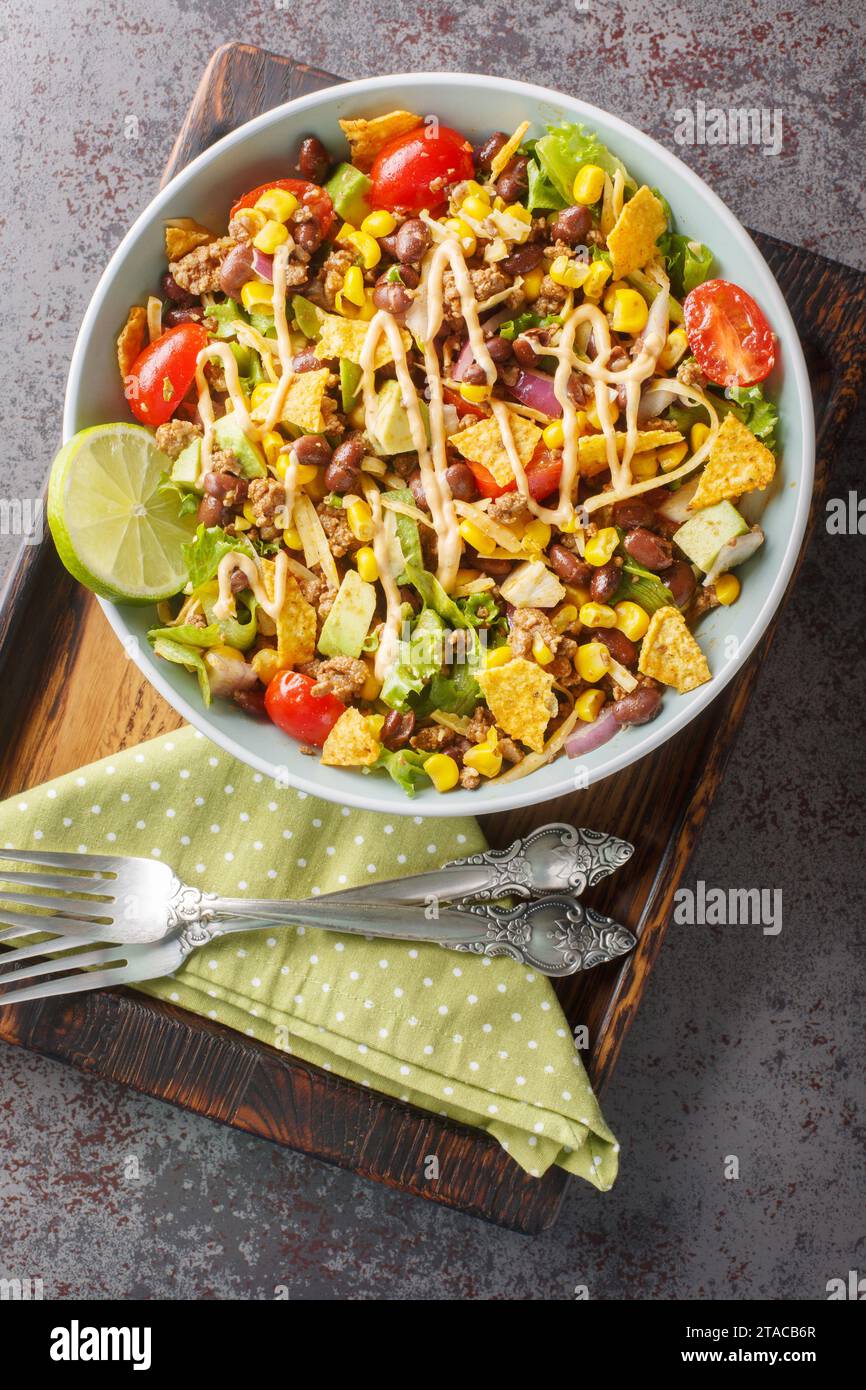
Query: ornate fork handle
[{"x": 555, "y": 935}]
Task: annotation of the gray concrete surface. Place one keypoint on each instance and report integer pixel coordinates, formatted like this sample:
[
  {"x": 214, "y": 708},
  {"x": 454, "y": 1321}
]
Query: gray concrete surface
[{"x": 747, "y": 1045}]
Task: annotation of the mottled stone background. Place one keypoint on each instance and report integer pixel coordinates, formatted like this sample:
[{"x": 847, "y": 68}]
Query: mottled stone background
[{"x": 746, "y": 1044}]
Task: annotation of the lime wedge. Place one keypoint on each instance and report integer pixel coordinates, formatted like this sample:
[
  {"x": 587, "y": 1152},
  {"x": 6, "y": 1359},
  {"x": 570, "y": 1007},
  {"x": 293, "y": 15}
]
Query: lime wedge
[{"x": 113, "y": 529}]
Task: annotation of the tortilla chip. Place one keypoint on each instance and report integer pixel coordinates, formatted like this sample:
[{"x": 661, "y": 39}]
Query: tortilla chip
[
  {"x": 482, "y": 443},
  {"x": 351, "y": 742},
  {"x": 519, "y": 696},
  {"x": 508, "y": 151},
  {"x": 738, "y": 463},
  {"x": 632, "y": 240},
  {"x": 670, "y": 654},
  {"x": 345, "y": 338},
  {"x": 131, "y": 339},
  {"x": 296, "y": 620},
  {"x": 592, "y": 448},
  {"x": 179, "y": 241},
  {"x": 367, "y": 138},
  {"x": 303, "y": 403}
]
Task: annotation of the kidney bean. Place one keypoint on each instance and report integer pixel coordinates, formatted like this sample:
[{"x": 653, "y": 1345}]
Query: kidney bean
[
  {"x": 475, "y": 374},
  {"x": 305, "y": 361},
  {"x": 456, "y": 747},
  {"x": 341, "y": 474},
  {"x": 605, "y": 582},
  {"x": 236, "y": 269},
  {"x": 571, "y": 225},
  {"x": 397, "y": 729},
  {"x": 211, "y": 511},
  {"x": 499, "y": 348},
  {"x": 680, "y": 579},
  {"x": 238, "y": 582},
  {"x": 497, "y": 569},
  {"x": 486, "y": 152},
  {"x": 181, "y": 314},
  {"x": 651, "y": 551},
  {"x": 569, "y": 566},
  {"x": 312, "y": 449},
  {"x": 409, "y": 276},
  {"x": 313, "y": 159},
  {"x": 416, "y": 487},
  {"x": 412, "y": 240},
  {"x": 220, "y": 484},
  {"x": 621, "y": 648},
  {"x": 514, "y": 180},
  {"x": 172, "y": 290},
  {"x": 524, "y": 259},
  {"x": 391, "y": 296},
  {"x": 579, "y": 390},
  {"x": 639, "y": 707},
  {"x": 524, "y": 351},
  {"x": 308, "y": 235},
  {"x": 461, "y": 481},
  {"x": 633, "y": 512}
]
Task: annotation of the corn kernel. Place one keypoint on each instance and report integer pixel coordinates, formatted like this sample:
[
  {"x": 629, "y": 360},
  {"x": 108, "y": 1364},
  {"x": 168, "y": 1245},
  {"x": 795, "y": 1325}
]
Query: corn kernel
[
  {"x": 230, "y": 653},
  {"x": 672, "y": 455},
  {"x": 644, "y": 465},
  {"x": 305, "y": 473},
  {"x": 372, "y": 685},
  {"x": 577, "y": 595},
  {"x": 570, "y": 523},
  {"x": 568, "y": 272},
  {"x": 374, "y": 723},
  {"x": 277, "y": 203},
  {"x": 471, "y": 187},
  {"x": 365, "y": 563},
  {"x": 498, "y": 656},
  {"x": 630, "y": 312},
  {"x": 272, "y": 235},
  {"x": 353, "y": 285},
  {"x": 588, "y": 705},
  {"x": 601, "y": 546},
  {"x": 553, "y": 435},
  {"x": 476, "y": 207},
  {"x": 727, "y": 588},
  {"x": 698, "y": 435},
  {"x": 542, "y": 653},
  {"x": 272, "y": 443},
  {"x": 592, "y": 417},
  {"x": 360, "y": 521},
  {"x": 565, "y": 618},
  {"x": 582, "y": 422},
  {"x": 597, "y": 615},
  {"x": 536, "y": 536},
  {"x": 631, "y": 619},
  {"x": 474, "y": 536},
  {"x": 249, "y": 514},
  {"x": 464, "y": 234},
  {"x": 253, "y": 219},
  {"x": 257, "y": 295},
  {"x": 260, "y": 395},
  {"x": 591, "y": 661},
  {"x": 599, "y": 274},
  {"x": 675, "y": 345},
  {"x": 519, "y": 212},
  {"x": 588, "y": 185},
  {"x": 266, "y": 664},
  {"x": 442, "y": 771},
  {"x": 241, "y": 523},
  {"x": 368, "y": 248},
  {"x": 475, "y": 394},
  {"x": 379, "y": 223},
  {"x": 484, "y": 759},
  {"x": 292, "y": 538},
  {"x": 532, "y": 284},
  {"x": 610, "y": 294}
]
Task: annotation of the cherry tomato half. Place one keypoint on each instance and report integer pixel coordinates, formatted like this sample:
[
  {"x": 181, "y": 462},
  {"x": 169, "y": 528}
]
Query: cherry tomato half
[
  {"x": 404, "y": 170},
  {"x": 161, "y": 375},
  {"x": 290, "y": 703},
  {"x": 310, "y": 194},
  {"x": 542, "y": 476},
  {"x": 731, "y": 339},
  {"x": 463, "y": 407}
]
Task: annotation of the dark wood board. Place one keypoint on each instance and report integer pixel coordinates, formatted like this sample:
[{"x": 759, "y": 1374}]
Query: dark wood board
[{"x": 69, "y": 696}]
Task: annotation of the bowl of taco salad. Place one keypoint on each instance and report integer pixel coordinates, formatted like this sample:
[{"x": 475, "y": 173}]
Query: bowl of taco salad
[{"x": 436, "y": 444}]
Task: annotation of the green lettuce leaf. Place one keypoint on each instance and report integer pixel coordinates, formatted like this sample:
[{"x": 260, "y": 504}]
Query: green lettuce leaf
[
  {"x": 227, "y": 317},
  {"x": 435, "y": 597},
  {"x": 418, "y": 660},
  {"x": 407, "y": 532},
  {"x": 758, "y": 414},
  {"x": 456, "y": 691},
  {"x": 565, "y": 148},
  {"x": 188, "y": 635},
  {"x": 541, "y": 195},
  {"x": 406, "y": 766},
  {"x": 189, "y": 657},
  {"x": 688, "y": 262},
  {"x": 203, "y": 554}
]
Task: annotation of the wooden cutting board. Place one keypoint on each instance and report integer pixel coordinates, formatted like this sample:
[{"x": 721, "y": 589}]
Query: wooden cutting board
[{"x": 68, "y": 696}]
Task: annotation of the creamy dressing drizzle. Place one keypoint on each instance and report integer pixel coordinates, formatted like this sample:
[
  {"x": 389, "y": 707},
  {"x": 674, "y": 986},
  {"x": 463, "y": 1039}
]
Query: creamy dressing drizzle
[
  {"x": 384, "y": 544},
  {"x": 225, "y": 605}
]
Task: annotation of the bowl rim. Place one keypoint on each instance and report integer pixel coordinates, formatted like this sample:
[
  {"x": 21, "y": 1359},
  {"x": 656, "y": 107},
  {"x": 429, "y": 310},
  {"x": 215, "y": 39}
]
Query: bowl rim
[{"x": 521, "y": 793}]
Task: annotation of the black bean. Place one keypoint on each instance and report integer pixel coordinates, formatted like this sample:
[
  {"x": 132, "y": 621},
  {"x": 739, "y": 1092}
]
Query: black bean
[
  {"x": 475, "y": 374},
  {"x": 416, "y": 486},
  {"x": 604, "y": 582},
  {"x": 313, "y": 159},
  {"x": 461, "y": 481},
  {"x": 514, "y": 180},
  {"x": 312, "y": 449},
  {"x": 391, "y": 296},
  {"x": 211, "y": 511},
  {"x": 633, "y": 511},
  {"x": 680, "y": 579},
  {"x": 177, "y": 314},
  {"x": 412, "y": 240},
  {"x": 308, "y": 235},
  {"x": 524, "y": 259},
  {"x": 499, "y": 348},
  {"x": 341, "y": 474},
  {"x": 397, "y": 729},
  {"x": 569, "y": 566},
  {"x": 621, "y": 648},
  {"x": 486, "y": 152},
  {"x": 524, "y": 351},
  {"x": 172, "y": 290},
  {"x": 571, "y": 225}
]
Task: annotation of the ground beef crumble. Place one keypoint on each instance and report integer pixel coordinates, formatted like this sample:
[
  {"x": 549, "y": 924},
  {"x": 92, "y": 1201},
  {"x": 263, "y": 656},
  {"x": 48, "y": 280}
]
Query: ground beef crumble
[
  {"x": 198, "y": 272},
  {"x": 173, "y": 437}
]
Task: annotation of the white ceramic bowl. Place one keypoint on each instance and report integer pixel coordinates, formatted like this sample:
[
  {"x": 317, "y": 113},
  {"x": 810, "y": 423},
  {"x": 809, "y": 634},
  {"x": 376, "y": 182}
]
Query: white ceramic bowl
[{"x": 476, "y": 105}]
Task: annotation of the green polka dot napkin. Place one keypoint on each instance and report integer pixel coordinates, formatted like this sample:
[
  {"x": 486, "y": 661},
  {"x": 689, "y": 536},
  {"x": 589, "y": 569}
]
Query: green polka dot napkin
[{"x": 483, "y": 1041}]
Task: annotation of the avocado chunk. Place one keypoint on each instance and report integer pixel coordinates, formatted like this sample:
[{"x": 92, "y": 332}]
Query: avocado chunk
[
  {"x": 346, "y": 626},
  {"x": 391, "y": 429},
  {"x": 350, "y": 193},
  {"x": 702, "y": 537},
  {"x": 350, "y": 383},
  {"x": 187, "y": 466},
  {"x": 229, "y": 436}
]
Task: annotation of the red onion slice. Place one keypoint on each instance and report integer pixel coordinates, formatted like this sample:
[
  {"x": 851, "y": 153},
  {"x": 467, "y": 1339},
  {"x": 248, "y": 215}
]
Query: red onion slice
[
  {"x": 535, "y": 389},
  {"x": 591, "y": 736},
  {"x": 263, "y": 265}
]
